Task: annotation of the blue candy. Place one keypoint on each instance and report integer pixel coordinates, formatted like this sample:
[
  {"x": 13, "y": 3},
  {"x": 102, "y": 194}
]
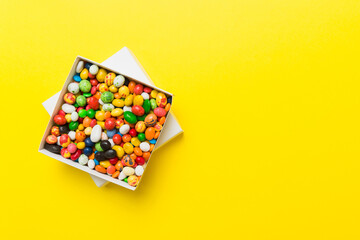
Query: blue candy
[
  {"x": 169, "y": 100},
  {"x": 88, "y": 142},
  {"x": 152, "y": 141},
  {"x": 96, "y": 162},
  {"x": 87, "y": 65},
  {"x": 88, "y": 151},
  {"x": 111, "y": 133},
  {"x": 77, "y": 78}
]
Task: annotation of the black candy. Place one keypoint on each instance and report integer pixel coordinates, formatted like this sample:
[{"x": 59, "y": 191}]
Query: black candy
[
  {"x": 105, "y": 145},
  {"x": 53, "y": 148},
  {"x": 64, "y": 129},
  {"x": 100, "y": 156},
  {"x": 109, "y": 154}
]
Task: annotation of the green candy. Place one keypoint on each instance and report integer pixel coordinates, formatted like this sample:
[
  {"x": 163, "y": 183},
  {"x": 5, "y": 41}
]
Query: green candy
[
  {"x": 141, "y": 118},
  {"x": 98, "y": 147},
  {"x": 85, "y": 86},
  {"x": 87, "y": 95},
  {"x": 73, "y": 125},
  {"x": 76, "y": 105},
  {"x": 82, "y": 113},
  {"x": 153, "y": 104},
  {"x": 125, "y": 179},
  {"x": 90, "y": 113},
  {"x": 107, "y": 97},
  {"x": 130, "y": 117},
  {"x": 147, "y": 105},
  {"x": 81, "y": 100},
  {"x": 141, "y": 137}
]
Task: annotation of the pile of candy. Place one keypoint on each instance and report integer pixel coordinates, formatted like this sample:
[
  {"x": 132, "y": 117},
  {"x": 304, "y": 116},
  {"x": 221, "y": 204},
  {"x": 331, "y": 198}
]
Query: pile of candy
[{"x": 108, "y": 123}]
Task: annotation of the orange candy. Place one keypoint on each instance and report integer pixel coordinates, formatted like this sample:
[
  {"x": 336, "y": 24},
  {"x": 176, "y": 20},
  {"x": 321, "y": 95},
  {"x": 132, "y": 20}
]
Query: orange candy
[
  {"x": 157, "y": 134},
  {"x": 100, "y": 169},
  {"x": 131, "y": 86},
  {"x": 97, "y": 95},
  {"x": 116, "y": 174},
  {"x": 117, "y": 95},
  {"x": 150, "y": 133},
  {"x": 119, "y": 166},
  {"x": 152, "y": 147},
  {"x": 87, "y": 122},
  {"x": 167, "y": 107},
  {"x": 138, "y": 151},
  {"x": 162, "y": 120},
  {"x": 92, "y": 156},
  {"x": 80, "y": 136},
  {"x": 126, "y": 138},
  {"x": 107, "y": 115},
  {"x": 146, "y": 155},
  {"x": 133, "y": 156}
]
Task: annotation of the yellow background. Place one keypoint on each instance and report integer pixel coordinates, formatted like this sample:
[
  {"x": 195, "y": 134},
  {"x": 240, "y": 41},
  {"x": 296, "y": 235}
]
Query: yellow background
[{"x": 266, "y": 91}]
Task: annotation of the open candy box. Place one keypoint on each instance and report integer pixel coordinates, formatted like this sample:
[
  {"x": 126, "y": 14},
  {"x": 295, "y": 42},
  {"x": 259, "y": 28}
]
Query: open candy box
[{"x": 106, "y": 123}]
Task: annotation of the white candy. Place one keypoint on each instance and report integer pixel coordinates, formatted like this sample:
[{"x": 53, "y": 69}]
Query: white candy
[
  {"x": 83, "y": 159},
  {"x": 139, "y": 170},
  {"x": 74, "y": 116},
  {"x": 111, "y": 142},
  {"x": 145, "y": 147},
  {"x": 101, "y": 102},
  {"x": 119, "y": 81},
  {"x": 91, "y": 164},
  {"x": 108, "y": 107},
  {"x": 145, "y": 96},
  {"x": 72, "y": 135},
  {"x": 104, "y": 136},
  {"x": 68, "y": 108},
  {"x": 127, "y": 109},
  {"x": 80, "y": 67},
  {"x": 95, "y": 135},
  {"x": 124, "y": 129},
  {"x": 122, "y": 176},
  {"x": 93, "y": 69},
  {"x": 58, "y": 141},
  {"x": 73, "y": 88},
  {"x": 128, "y": 171}
]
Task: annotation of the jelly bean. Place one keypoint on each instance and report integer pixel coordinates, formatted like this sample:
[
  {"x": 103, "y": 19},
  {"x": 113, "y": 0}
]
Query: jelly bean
[
  {"x": 121, "y": 176},
  {"x": 100, "y": 76},
  {"x": 51, "y": 139},
  {"x": 109, "y": 154},
  {"x": 131, "y": 86},
  {"x": 93, "y": 69},
  {"x": 117, "y": 139},
  {"x": 105, "y": 145},
  {"x": 86, "y": 122},
  {"x": 85, "y": 86},
  {"x": 152, "y": 141},
  {"x": 81, "y": 100},
  {"x": 146, "y": 106},
  {"x": 127, "y": 109},
  {"x": 124, "y": 91},
  {"x": 118, "y": 102},
  {"x": 124, "y": 129},
  {"x": 126, "y": 138},
  {"x": 94, "y": 82},
  {"x": 91, "y": 164},
  {"x": 98, "y": 147},
  {"x": 138, "y": 89},
  {"x": 150, "y": 120},
  {"x": 113, "y": 160},
  {"x": 137, "y": 110},
  {"x": 130, "y": 117},
  {"x": 105, "y": 163},
  {"x": 119, "y": 81},
  {"x": 109, "y": 78},
  {"x": 100, "y": 169},
  {"x": 61, "y": 112},
  {"x": 65, "y": 153},
  {"x": 160, "y": 112},
  {"x": 77, "y": 78},
  {"x": 158, "y": 127},
  {"x": 83, "y": 159},
  {"x": 73, "y": 88},
  {"x": 119, "y": 151},
  {"x": 68, "y": 117},
  {"x": 80, "y": 66},
  {"x": 115, "y": 174},
  {"x": 128, "y": 171},
  {"x": 72, "y": 135},
  {"x": 117, "y": 112},
  {"x": 84, "y": 74},
  {"x": 82, "y": 113},
  {"x": 74, "y": 116},
  {"x": 100, "y": 115},
  {"x": 167, "y": 107},
  {"x": 135, "y": 141},
  {"x": 55, "y": 131},
  {"x": 80, "y": 145},
  {"x": 133, "y": 132},
  {"x": 87, "y": 94},
  {"x": 69, "y": 98},
  {"x": 88, "y": 142},
  {"x": 64, "y": 129},
  {"x": 111, "y": 170},
  {"x": 154, "y": 93},
  {"x": 88, "y": 131},
  {"x": 107, "y": 97},
  {"x": 138, "y": 100},
  {"x": 88, "y": 151},
  {"x": 64, "y": 140},
  {"x": 113, "y": 89},
  {"x": 119, "y": 122},
  {"x": 129, "y": 100},
  {"x": 111, "y": 133},
  {"x": 138, "y": 151},
  {"x": 161, "y": 100},
  {"x": 103, "y": 87},
  {"x": 146, "y": 155},
  {"x": 162, "y": 120},
  {"x": 157, "y": 134},
  {"x": 128, "y": 148},
  {"x": 145, "y": 96},
  {"x": 108, "y": 107},
  {"x": 100, "y": 156},
  {"x": 73, "y": 125},
  {"x": 119, "y": 166},
  {"x": 110, "y": 123},
  {"x": 150, "y": 133},
  {"x": 139, "y": 170},
  {"x": 141, "y": 118},
  {"x": 133, "y": 180},
  {"x": 96, "y": 134},
  {"x": 96, "y": 162},
  {"x": 52, "y": 148},
  {"x": 67, "y": 108},
  {"x": 75, "y": 156},
  {"x": 153, "y": 104},
  {"x": 72, "y": 148},
  {"x": 147, "y": 90},
  {"x": 141, "y": 137},
  {"x": 144, "y": 146}
]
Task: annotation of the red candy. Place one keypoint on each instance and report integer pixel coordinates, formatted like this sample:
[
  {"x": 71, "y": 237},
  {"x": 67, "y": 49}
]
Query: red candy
[
  {"x": 93, "y": 90},
  {"x": 117, "y": 139},
  {"x": 64, "y": 140},
  {"x": 138, "y": 89},
  {"x": 147, "y": 90},
  {"x": 65, "y": 153},
  {"x": 133, "y": 132},
  {"x": 93, "y": 123},
  {"x": 94, "y": 82},
  {"x": 51, "y": 139},
  {"x": 110, "y": 123},
  {"x": 138, "y": 110},
  {"x": 60, "y": 119},
  {"x": 76, "y": 155},
  {"x": 55, "y": 131},
  {"x": 93, "y": 102},
  {"x": 61, "y": 112},
  {"x": 140, "y": 160},
  {"x": 159, "y": 112},
  {"x": 113, "y": 161}
]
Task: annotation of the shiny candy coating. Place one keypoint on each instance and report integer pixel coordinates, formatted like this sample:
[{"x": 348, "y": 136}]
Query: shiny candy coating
[
  {"x": 137, "y": 110},
  {"x": 138, "y": 100},
  {"x": 133, "y": 180},
  {"x": 84, "y": 74},
  {"x": 52, "y": 148},
  {"x": 107, "y": 97},
  {"x": 85, "y": 86},
  {"x": 128, "y": 148},
  {"x": 119, "y": 81},
  {"x": 80, "y": 66},
  {"x": 93, "y": 69},
  {"x": 141, "y": 137},
  {"x": 69, "y": 98},
  {"x": 150, "y": 120},
  {"x": 55, "y": 131},
  {"x": 73, "y": 88},
  {"x": 81, "y": 100},
  {"x": 160, "y": 112},
  {"x": 51, "y": 139},
  {"x": 100, "y": 76},
  {"x": 161, "y": 100},
  {"x": 128, "y": 171},
  {"x": 145, "y": 147},
  {"x": 130, "y": 117},
  {"x": 139, "y": 170}
]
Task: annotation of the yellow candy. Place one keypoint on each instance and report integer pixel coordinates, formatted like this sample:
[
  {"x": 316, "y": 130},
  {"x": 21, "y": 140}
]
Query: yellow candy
[
  {"x": 81, "y": 127},
  {"x": 118, "y": 102},
  {"x": 88, "y": 131},
  {"x": 124, "y": 91},
  {"x": 109, "y": 78},
  {"x": 113, "y": 89},
  {"x": 138, "y": 100},
  {"x": 129, "y": 100},
  {"x": 100, "y": 115},
  {"x": 103, "y": 87},
  {"x": 119, "y": 151},
  {"x": 133, "y": 180},
  {"x": 80, "y": 145},
  {"x": 154, "y": 93},
  {"x": 84, "y": 74},
  {"x": 128, "y": 148},
  {"x": 102, "y": 124},
  {"x": 68, "y": 117},
  {"x": 105, "y": 163},
  {"x": 100, "y": 76},
  {"x": 117, "y": 112},
  {"x": 161, "y": 100},
  {"x": 135, "y": 141}
]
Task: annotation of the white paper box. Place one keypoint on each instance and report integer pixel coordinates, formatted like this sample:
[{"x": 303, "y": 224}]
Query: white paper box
[
  {"x": 59, "y": 103},
  {"x": 125, "y": 61}
]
